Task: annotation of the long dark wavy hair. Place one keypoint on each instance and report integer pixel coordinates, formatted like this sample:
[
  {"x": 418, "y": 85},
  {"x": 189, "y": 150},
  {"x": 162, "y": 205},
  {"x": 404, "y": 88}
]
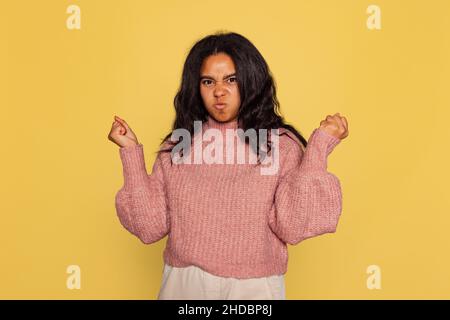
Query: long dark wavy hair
[{"x": 259, "y": 107}]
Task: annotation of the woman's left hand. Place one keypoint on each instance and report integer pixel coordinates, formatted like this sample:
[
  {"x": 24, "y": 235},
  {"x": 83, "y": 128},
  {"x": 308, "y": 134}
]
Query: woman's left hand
[{"x": 335, "y": 125}]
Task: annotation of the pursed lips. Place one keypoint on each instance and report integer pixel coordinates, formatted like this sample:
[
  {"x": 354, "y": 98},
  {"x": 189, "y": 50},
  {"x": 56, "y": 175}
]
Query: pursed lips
[{"x": 220, "y": 106}]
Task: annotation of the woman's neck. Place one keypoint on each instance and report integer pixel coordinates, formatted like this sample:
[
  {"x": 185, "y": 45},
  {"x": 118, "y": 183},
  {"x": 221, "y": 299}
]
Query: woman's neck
[{"x": 214, "y": 124}]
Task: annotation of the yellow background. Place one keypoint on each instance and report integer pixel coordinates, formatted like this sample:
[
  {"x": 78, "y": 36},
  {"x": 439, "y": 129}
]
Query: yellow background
[{"x": 60, "y": 89}]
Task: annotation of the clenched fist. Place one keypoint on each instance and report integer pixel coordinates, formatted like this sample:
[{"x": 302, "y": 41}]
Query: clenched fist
[
  {"x": 121, "y": 134},
  {"x": 335, "y": 125}
]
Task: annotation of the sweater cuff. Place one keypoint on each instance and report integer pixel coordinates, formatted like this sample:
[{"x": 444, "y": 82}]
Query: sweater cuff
[
  {"x": 320, "y": 145},
  {"x": 133, "y": 163}
]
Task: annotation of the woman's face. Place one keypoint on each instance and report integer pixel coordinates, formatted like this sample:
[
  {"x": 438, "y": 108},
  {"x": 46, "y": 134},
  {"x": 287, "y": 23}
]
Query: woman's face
[{"x": 219, "y": 87}]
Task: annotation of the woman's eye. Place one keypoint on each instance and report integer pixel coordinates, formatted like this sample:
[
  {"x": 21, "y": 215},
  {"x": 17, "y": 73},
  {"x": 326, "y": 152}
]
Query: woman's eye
[{"x": 207, "y": 82}]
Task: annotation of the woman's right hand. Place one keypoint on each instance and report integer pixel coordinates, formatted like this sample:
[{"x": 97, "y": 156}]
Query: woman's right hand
[{"x": 121, "y": 134}]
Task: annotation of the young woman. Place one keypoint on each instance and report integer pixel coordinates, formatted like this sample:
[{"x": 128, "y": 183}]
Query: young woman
[{"x": 228, "y": 224}]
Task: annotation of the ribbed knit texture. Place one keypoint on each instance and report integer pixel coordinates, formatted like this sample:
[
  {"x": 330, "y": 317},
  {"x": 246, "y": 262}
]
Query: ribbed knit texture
[{"x": 229, "y": 219}]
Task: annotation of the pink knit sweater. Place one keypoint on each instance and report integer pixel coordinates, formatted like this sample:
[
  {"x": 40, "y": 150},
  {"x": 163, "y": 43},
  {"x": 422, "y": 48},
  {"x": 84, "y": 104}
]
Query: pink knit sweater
[{"x": 228, "y": 219}]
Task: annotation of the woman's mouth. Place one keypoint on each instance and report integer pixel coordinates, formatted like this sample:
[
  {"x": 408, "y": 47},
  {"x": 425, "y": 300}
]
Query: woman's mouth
[{"x": 220, "y": 106}]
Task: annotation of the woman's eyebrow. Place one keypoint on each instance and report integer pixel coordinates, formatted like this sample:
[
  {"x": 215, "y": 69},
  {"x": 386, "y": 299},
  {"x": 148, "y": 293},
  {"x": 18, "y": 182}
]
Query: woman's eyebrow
[{"x": 211, "y": 77}]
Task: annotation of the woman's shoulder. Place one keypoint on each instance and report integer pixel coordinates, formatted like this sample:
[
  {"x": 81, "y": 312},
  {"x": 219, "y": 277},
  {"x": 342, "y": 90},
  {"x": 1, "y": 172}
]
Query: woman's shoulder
[
  {"x": 288, "y": 141},
  {"x": 164, "y": 155}
]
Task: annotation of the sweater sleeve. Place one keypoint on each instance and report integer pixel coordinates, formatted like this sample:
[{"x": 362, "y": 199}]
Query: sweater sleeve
[
  {"x": 308, "y": 199},
  {"x": 141, "y": 202}
]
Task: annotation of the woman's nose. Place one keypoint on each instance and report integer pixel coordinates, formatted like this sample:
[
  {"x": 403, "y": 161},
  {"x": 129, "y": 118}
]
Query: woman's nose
[{"x": 219, "y": 90}]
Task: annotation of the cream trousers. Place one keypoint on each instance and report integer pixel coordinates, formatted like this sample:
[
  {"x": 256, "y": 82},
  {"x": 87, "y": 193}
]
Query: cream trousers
[{"x": 193, "y": 283}]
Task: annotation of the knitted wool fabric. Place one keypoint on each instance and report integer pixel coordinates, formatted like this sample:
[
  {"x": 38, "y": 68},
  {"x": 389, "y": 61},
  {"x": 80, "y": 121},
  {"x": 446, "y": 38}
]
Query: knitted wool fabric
[{"x": 229, "y": 219}]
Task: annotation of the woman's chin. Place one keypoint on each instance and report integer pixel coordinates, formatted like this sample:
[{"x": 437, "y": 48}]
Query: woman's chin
[{"x": 224, "y": 118}]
